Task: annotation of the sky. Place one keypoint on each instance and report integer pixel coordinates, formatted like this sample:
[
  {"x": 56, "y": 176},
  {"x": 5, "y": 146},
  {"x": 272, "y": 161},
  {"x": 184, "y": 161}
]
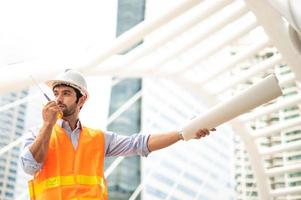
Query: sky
[
  {"x": 34, "y": 29},
  {"x": 60, "y": 30}
]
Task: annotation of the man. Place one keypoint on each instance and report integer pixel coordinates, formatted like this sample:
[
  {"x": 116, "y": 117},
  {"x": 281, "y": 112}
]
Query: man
[{"x": 66, "y": 158}]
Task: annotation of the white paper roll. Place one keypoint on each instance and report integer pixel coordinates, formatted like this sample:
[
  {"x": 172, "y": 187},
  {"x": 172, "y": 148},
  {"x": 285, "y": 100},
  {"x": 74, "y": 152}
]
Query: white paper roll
[{"x": 258, "y": 94}]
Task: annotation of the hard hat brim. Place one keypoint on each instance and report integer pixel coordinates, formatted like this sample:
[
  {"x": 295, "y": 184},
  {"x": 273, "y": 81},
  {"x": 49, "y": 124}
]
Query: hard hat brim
[{"x": 53, "y": 83}]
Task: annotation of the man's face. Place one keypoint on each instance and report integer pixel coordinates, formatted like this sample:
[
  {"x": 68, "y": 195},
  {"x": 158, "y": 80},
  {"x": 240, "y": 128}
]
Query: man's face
[{"x": 66, "y": 99}]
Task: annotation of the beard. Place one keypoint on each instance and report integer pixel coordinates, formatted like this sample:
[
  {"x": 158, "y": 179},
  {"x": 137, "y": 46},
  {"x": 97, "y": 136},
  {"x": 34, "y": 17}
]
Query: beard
[{"x": 68, "y": 111}]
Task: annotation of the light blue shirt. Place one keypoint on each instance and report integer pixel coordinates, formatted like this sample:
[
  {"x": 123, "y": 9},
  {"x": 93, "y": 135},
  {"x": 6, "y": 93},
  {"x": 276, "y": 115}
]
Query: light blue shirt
[{"x": 115, "y": 145}]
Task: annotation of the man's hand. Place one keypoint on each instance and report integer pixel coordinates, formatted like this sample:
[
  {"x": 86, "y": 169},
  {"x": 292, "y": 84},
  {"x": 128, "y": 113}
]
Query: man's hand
[
  {"x": 203, "y": 132},
  {"x": 39, "y": 148},
  {"x": 50, "y": 113}
]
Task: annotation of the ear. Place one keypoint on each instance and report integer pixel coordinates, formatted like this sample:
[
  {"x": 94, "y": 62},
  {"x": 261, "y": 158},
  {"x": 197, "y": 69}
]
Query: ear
[{"x": 82, "y": 101}]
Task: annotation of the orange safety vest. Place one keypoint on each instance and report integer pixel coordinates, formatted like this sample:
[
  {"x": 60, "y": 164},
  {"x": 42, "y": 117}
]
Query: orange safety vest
[{"x": 69, "y": 174}]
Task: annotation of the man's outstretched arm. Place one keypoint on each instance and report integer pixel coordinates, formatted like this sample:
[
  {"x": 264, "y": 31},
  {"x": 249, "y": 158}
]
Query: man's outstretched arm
[{"x": 162, "y": 140}]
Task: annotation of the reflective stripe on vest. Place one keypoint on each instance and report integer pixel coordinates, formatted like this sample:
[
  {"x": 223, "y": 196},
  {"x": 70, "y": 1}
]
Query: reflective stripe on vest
[{"x": 59, "y": 181}]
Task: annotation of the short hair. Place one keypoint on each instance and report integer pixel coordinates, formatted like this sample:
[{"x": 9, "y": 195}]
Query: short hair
[{"x": 78, "y": 93}]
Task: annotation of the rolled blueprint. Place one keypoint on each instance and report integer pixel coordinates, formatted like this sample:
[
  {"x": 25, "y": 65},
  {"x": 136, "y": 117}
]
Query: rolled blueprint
[{"x": 258, "y": 94}]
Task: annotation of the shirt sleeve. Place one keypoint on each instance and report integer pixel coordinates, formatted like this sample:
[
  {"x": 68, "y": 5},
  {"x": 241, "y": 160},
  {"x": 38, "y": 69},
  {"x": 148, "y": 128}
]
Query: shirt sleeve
[
  {"x": 119, "y": 145},
  {"x": 27, "y": 161}
]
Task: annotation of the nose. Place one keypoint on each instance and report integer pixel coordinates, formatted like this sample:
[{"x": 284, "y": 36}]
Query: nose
[{"x": 59, "y": 98}]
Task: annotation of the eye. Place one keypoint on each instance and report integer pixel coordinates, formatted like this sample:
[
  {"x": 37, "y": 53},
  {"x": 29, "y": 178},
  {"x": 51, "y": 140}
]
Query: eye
[{"x": 66, "y": 93}]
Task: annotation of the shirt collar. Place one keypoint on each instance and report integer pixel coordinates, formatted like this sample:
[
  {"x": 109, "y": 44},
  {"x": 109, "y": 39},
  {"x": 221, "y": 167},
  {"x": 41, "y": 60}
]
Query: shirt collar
[{"x": 62, "y": 123}]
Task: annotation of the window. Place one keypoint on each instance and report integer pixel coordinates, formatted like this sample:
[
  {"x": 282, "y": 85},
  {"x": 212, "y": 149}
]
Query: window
[
  {"x": 297, "y": 157},
  {"x": 9, "y": 194},
  {"x": 298, "y": 174},
  {"x": 249, "y": 176},
  {"x": 11, "y": 178},
  {"x": 297, "y": 183},
  {"x": 10, "y": 186},
  {"x": 186, "y": 190},
  {"x": 296, "y": 132},
  {"x": 155, "y": 192},
  {"x": 20, "y": 120},
  {"x": 163, "y": 178},
  {"x": 13, "y": 163},
  {"x": 292, "y": 116},
  {"x": 193, "y": 178},
  {"x": 290, "y": 108}
]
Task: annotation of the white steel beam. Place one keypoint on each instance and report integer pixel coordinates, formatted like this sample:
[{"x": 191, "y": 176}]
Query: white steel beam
[
  {"x": 236, "y": 59},
  {"x": 276, "y": 29},
  {"x": 243, "y": 55},
  {"x": 18, "y": 102},
  {"x": 286, "y": 169},
  {"x": 147, "y": 177},
  {"x": 11, "y": 145},
  {"x": 281, "y": 148},
  {"x": 237, "y": 13},
  {"x": 200, "y": 13},
  {"x": 136, "y": 34},
  {"x": 189, "y": 42},
  {"x": 290, "y": 10},
  {"x": 246, "y": 75},
  {"x": 200, "y": 36},
  {"x": 23, "y": 195},
  {"x": 270, "y": 130},
  {"x": 182, "y": 81},
  {"x": 17, "y": 77},
  {"x": 217, "y": 46},
  {"x": 14, "y": 79},
  {"x": 132, "y": 74},
  {"x": 124, "y": 107},
  {"x": 113, "y": 166}
]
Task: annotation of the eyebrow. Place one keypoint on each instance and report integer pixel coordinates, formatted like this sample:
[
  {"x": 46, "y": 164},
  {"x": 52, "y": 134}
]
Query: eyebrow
[{"x": 65, "y": 90}]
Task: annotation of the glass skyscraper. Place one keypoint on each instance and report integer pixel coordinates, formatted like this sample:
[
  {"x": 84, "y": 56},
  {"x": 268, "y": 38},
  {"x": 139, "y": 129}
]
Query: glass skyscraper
[
  {"x": 12, "y": 123},
  {"x": 126, "y": 177},
  {"x": 197, "y": 169}
]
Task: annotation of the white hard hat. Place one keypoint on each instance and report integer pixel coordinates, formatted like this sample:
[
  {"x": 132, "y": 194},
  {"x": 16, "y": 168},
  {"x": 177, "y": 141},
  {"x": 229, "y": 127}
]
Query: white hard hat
[{"x": 72, "y": 78}]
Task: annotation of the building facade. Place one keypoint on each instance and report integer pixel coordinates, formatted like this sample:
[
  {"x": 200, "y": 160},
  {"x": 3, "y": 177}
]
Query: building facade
[
  {"x": 200, "y": 169},
  {"x": 12, "y": 125},
  {"x": 126, "y": 177},
  {"x": 287, "y": 118}
]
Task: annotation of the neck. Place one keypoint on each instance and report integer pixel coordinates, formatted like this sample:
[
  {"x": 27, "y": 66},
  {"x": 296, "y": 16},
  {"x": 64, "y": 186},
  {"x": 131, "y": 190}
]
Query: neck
[{"x": 72, "y": 120}]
